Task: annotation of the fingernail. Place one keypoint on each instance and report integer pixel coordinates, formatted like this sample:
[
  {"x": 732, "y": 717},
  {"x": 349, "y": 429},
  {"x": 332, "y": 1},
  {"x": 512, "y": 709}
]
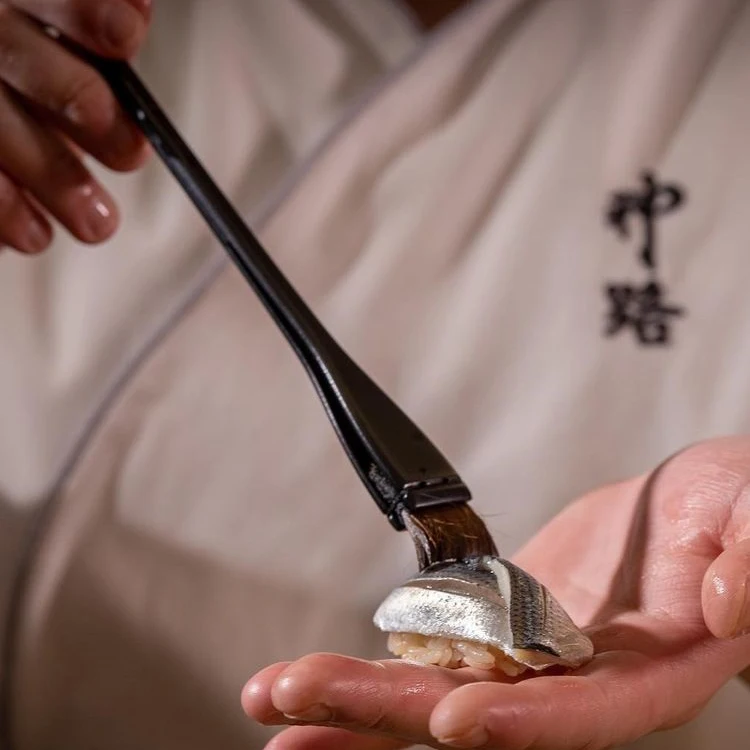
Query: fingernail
[
  {"x": 740, "y": 618},
  {"x": 725, "y": 603},
  {"x": 99, "y": 214},
  {"x": 743, "y": 622},
  {"x": 120, "y": 24},
  {"x": 37, "y": 236},
  {"x": 475, "y": 738},
  {"x": 317, "y": 712},
  {"x": 742, "y": 625}
]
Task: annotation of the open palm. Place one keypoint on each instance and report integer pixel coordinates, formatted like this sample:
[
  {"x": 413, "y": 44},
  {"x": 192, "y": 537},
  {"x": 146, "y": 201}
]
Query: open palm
[{"x": 655, "y": 567}]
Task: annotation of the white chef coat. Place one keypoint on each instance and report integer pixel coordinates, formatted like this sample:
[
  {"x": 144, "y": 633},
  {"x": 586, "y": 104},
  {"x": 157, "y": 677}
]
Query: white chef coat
[{"x": 455, "y": 231}]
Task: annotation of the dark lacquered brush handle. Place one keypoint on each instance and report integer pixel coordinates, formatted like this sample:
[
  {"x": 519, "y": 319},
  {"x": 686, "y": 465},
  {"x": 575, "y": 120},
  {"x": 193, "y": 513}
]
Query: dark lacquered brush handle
[{"x": 397, "y": 463}]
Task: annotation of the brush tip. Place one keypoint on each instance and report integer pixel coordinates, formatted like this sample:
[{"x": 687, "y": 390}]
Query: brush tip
[{"x": 447, "y": 533}]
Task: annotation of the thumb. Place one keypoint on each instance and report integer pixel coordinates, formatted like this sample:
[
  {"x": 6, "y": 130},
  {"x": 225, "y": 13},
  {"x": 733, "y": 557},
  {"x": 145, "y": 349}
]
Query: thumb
[{"x": 726, "y": 604}]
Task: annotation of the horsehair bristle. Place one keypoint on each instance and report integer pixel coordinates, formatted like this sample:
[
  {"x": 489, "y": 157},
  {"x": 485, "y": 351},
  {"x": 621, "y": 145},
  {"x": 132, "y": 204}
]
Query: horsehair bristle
[{"x": 448, "y": 532}]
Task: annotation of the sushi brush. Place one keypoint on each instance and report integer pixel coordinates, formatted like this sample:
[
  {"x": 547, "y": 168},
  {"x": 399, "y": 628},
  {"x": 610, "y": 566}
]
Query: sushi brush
[
  {"x": 464, "y": 595},
  {"x": 411, "y": 481}
]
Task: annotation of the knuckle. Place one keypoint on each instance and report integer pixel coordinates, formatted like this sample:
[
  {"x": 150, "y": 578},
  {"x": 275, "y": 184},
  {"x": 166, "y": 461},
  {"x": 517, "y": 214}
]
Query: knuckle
[
  {"x": 62, "y": 167},
  {"x": 81, "y": 14},
  {"x": 718, "y": 466},
  {"x": 377, "y": 720},
  {"x": 698, "y": 488},
  {"x": 314, "y": 664},
  {"x": 84, "y": 100},
  {"x": 119, "y": 26}
]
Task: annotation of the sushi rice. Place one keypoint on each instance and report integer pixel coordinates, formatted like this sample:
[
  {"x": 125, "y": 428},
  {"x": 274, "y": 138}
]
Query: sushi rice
[{"x": 451, "y": 653}]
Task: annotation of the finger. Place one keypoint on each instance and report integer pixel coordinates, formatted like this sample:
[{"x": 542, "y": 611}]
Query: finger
[
  {"x": 256, "y": 702},
  {"x": 617, "y": 698},
  {"x": 115, "y": 28},
  {"x": 386, "y": 697},
  {"x": 22, "y": 226},
  {"x": 42, "y": 164},
  {"x": 546, "y": 712},
  {"x": 330, "y": 738},
  {"x": 121, "y": 147},
  {"x": 726, "y": 604},
  {"x": 68, "y": 91},
  {"x": 256, "y": 695},
  {"x": 582, "y": 593}
]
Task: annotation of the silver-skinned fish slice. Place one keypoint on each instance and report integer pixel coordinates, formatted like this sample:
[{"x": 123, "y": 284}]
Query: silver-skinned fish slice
[{"x": 484, "y": 601}]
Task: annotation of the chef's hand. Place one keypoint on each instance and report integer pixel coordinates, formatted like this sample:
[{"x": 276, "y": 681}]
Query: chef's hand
[
  {"x": 657, "y": 567},
  {"x": 54, "y": 107}
]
